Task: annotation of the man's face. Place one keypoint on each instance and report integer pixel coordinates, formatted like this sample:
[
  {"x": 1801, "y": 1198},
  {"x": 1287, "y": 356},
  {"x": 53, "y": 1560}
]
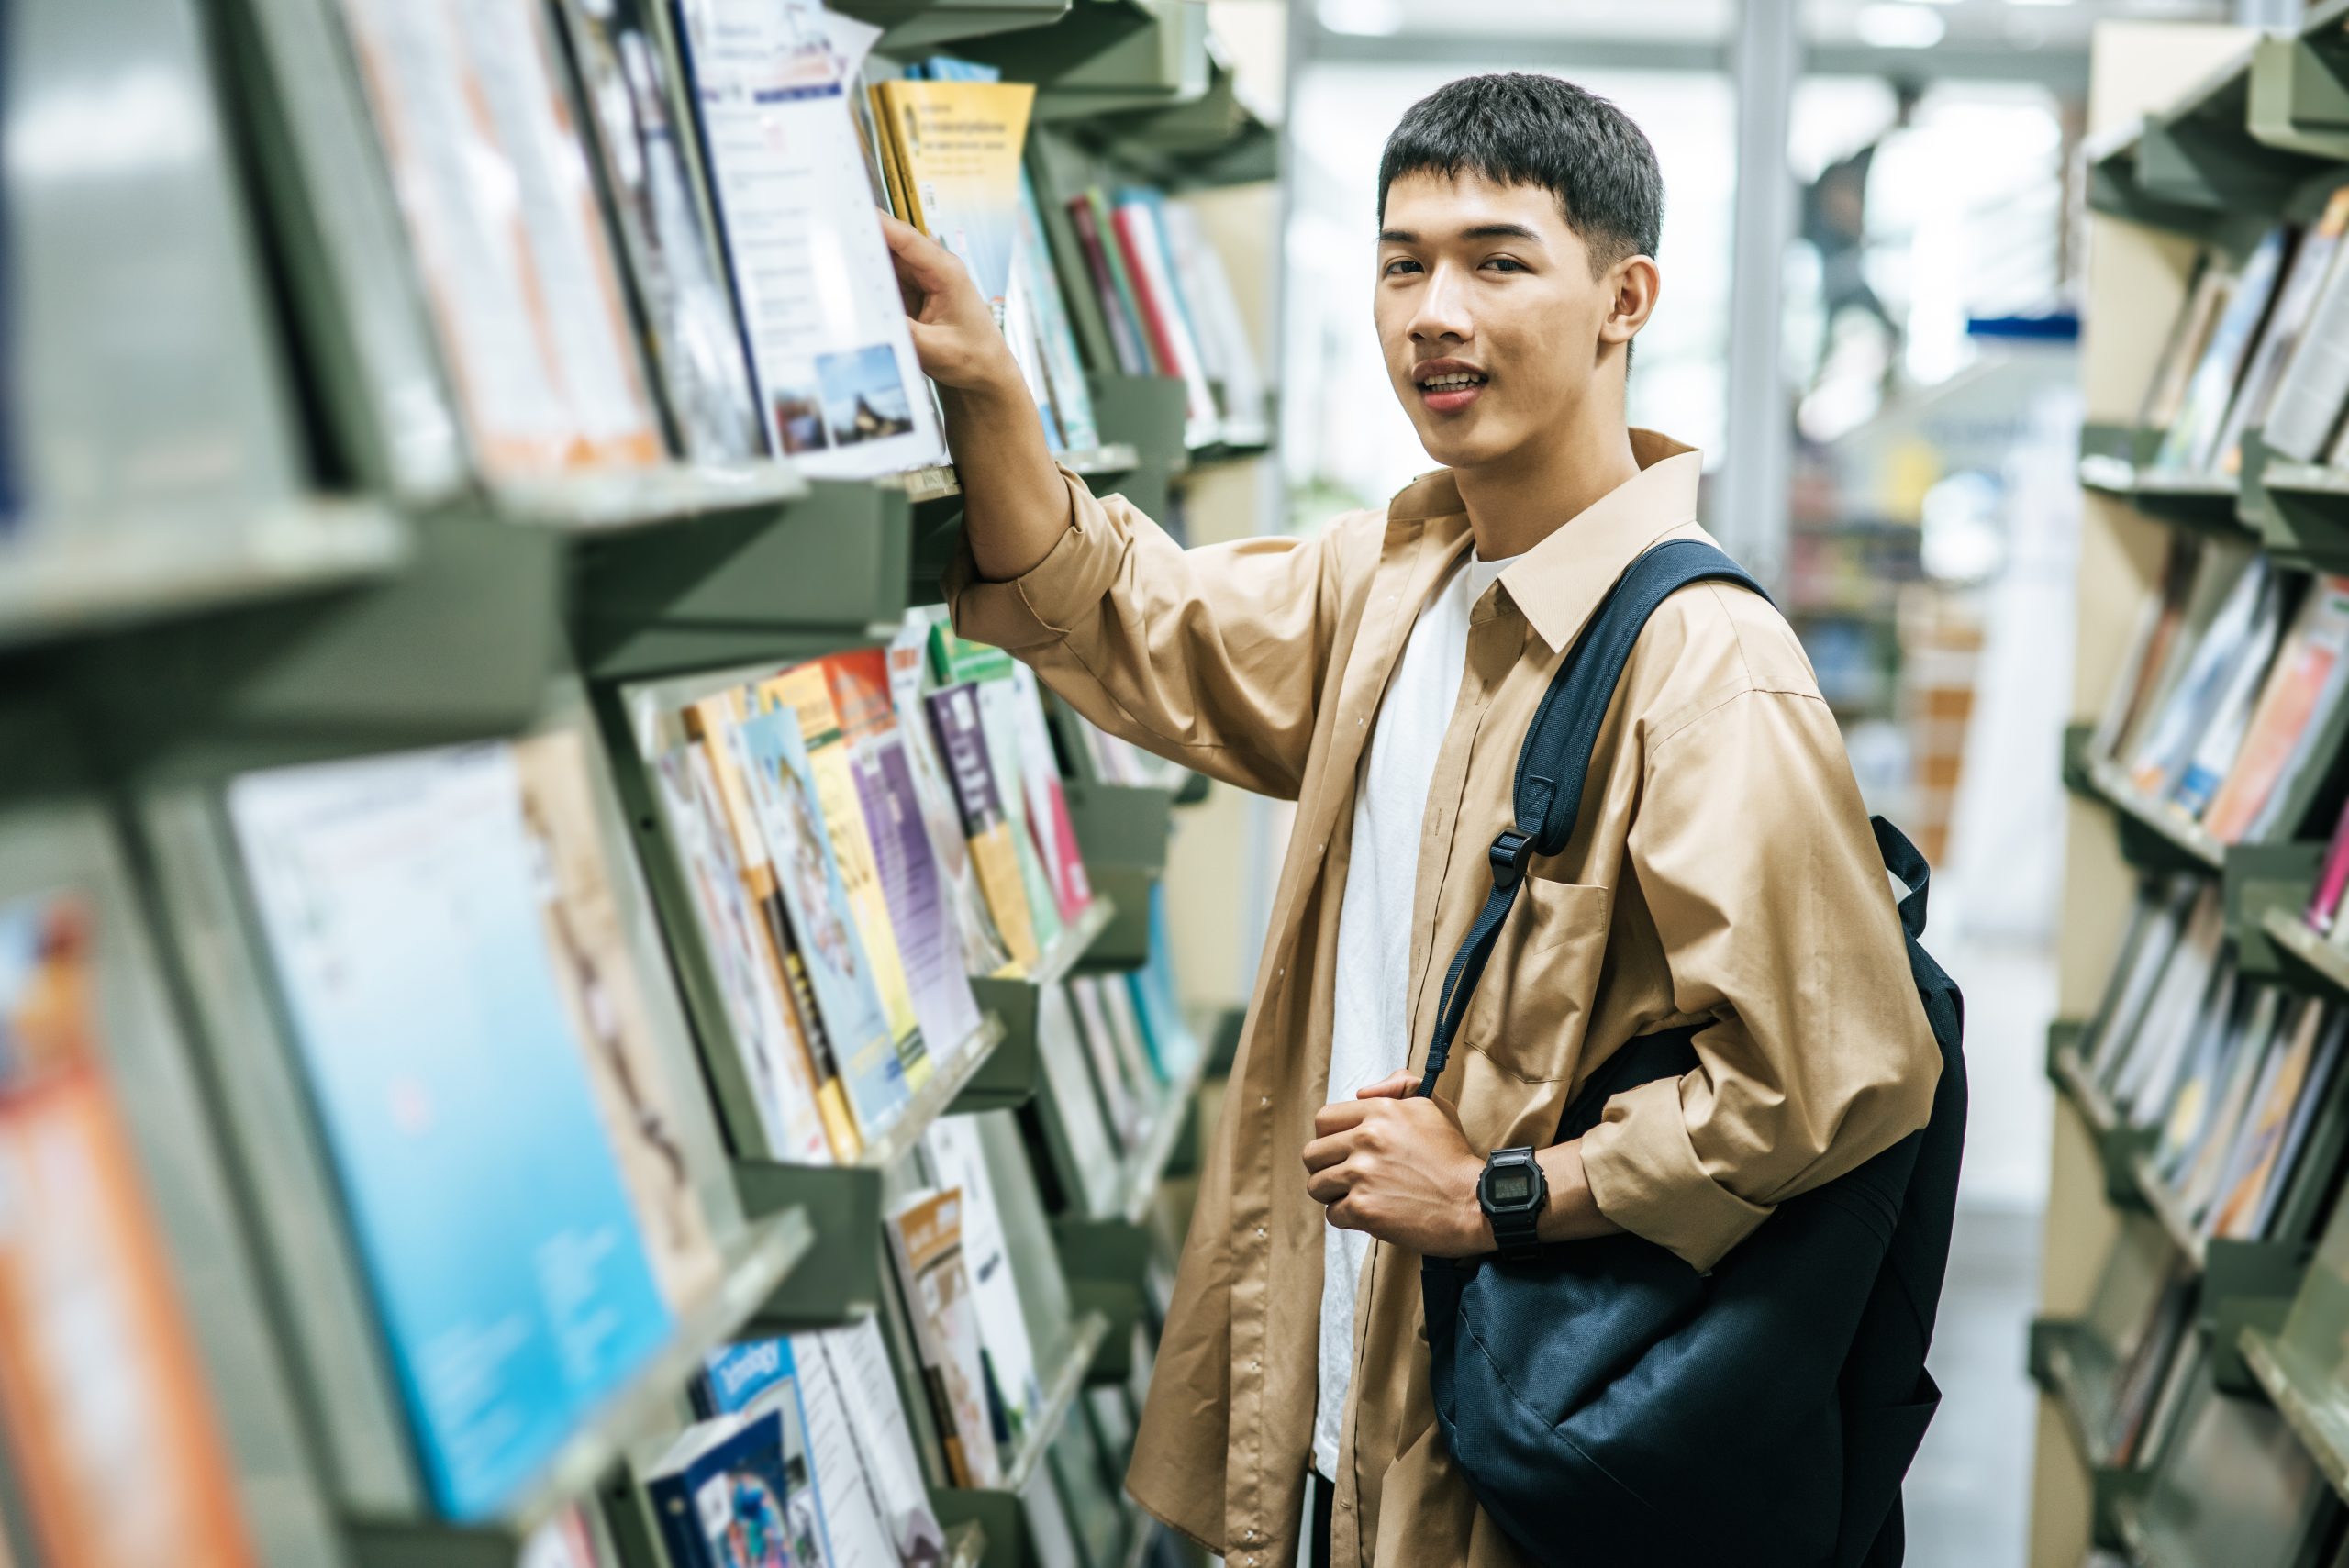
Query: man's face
[{"x": 1487, "y": 313}]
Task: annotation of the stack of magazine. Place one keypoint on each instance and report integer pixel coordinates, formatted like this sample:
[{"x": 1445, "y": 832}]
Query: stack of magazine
[
  {"x": 2231, "y": 1079},
  {"x": 2262, "y": 343},
  {"x": 2228, "y": 706},
  {"x": 645, "y": 230}
]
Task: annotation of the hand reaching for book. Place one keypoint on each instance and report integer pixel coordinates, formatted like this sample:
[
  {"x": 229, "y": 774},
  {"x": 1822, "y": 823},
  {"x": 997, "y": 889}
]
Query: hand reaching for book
[
  {"x": 1014, "y": 505},
  {"x": 955, "y": 333}
]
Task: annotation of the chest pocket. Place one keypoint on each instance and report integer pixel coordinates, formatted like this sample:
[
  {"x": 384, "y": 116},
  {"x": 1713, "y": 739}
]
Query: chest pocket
[{"x": 1528, "y": 1016}]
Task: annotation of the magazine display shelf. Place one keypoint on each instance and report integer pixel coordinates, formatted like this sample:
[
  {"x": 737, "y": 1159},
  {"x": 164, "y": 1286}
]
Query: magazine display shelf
[
  {"x": 2201, "y": 152},
  {"x": 1110, "y": 56},
  {"x": 2075, "y": 1368},
  {"x": 775, "y": 1247},
  {"x": 173, "y": 567},
  {"x": 1010, "y": 1076},
  {"x": 2299, "y": 1390},
  {"x": 1106, "y": 1257},
  {"x": 921, "y": 23},
  {"x": 2114, "y": 460},
  {"x": 995, "y": 1510},
  {"x": 396, "y": 599},
  {"x": 2298, "y": 100},
  {"x": 754, "y": 586}
]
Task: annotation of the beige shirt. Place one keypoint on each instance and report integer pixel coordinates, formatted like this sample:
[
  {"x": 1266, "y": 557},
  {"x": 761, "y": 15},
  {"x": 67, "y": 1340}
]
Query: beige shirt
[{"x": 1722, "y": 873}]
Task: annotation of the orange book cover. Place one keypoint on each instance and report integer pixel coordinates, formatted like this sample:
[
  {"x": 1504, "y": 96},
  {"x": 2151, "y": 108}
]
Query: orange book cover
[
  {"x": 2303, "y": 673},
  {"x": 103, "y": 1395}
]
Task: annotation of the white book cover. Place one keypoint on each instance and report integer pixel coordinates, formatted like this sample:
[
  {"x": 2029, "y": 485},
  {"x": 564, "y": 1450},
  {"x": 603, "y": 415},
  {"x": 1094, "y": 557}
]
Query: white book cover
[
  {"x": 2309, "y": 395},
  {"x": 2214, "y": 752},
  {"x": 855, "y": 1519},
  {"x": 926, "y": 1237},
  {"x": 2171, "y": 1007},
  {"x": 1061, "y": 1048},
  {"x": 959, "y": 1160},
  {"x": 858, "y": 1360},
  {"x": 2186, "y": 710},
  {"x": 1117, "y": 1088},
  {"x": 2218, "y": 568},
  {"x": 839, "y": 386}
]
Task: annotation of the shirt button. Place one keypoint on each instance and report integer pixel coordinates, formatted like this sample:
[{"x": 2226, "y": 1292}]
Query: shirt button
[
  {"x": 1263, "y": 1099},
  {"x": 1260, "y": 1233},
  {"x": 1281, "y": 973}
]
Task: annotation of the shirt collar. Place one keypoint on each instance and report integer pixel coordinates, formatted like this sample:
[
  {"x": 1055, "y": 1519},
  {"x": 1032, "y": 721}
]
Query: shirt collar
[{"x": 1560, "y": 580}]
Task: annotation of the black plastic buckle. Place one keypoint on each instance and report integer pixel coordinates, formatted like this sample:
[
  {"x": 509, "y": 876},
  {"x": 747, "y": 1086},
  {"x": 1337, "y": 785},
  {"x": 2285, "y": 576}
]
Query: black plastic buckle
[{"x": 1509, "y": 854}]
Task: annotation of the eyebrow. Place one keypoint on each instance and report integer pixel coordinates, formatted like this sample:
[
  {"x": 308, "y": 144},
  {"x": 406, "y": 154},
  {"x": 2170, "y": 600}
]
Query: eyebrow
[{"x": 1481, "y": 231}]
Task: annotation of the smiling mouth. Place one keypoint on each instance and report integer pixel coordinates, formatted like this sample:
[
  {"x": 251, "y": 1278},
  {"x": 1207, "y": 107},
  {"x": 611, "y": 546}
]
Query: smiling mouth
[{"x": 1452, "y": 380}]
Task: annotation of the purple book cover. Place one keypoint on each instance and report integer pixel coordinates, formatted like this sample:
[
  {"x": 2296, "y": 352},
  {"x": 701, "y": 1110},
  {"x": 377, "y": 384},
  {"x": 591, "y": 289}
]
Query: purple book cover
[{"x": 928, "y": 940}]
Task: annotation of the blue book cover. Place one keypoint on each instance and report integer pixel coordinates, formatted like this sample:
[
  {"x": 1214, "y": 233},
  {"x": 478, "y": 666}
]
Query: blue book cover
[
  {"x": 814, "y": 897},
  {"x": 489, "y": 1210},
  {"x": 759, "y": 1374},
  {"x": 743, "y": 1497}
]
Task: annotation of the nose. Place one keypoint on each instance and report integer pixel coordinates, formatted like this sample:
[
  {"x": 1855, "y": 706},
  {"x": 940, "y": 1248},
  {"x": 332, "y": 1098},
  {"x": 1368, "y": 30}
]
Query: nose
[{"x": 1440, "y": 313}]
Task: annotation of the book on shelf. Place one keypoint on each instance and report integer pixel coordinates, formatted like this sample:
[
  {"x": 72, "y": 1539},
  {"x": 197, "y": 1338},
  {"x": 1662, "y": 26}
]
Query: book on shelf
[
  {"x": 2296, "y": 298},
  {"x": 502, "y": 217},
  {"x": 1141, "y": 233},
  {"x": 568, "y": 1539},
  {"x": 814, "y": 289},
  {"x": 2230, "y": 639},
  {"x": 2206, "y": 291},
  {"x": 926, "y": 1239},
  {"x": 857, "y": 1361},
  {"x": 113, "y": 1438},
  {"x": 1026, "y": 775},
  {"x": 2217, "y": 733},
  {"x": 2237, "y": 1486},
  {"x": 804, "y": 691},
  {"x": 2303, "y": 686},
  {"x": 2305, "y": 407},
  {"x": 930, "y": 942},
  {"x": 1129, "y": 1111},
  {"x": 790, "y": 1126},
  {"x": 713, "y": 725},
  {"x": 994, "y": 852},
  {"x": 1014, "y": 1392},
  {"x": 1039, "y": 770},
  {"x": 736, "y": 1491},
  {"x": 983, "y": 945},
  {"x": 606, "y": 996},
  {"x": 1105, "y": 262},
  {"x": 641, "y": 128},
  {"x": 1087, "y": 1160},
  {"x": 2225, "y": 1073},
  {"x": 1069, "y": 397},
  {"x": 2333, "y": 876},
  {"x": 2189, "y": 441},
  {"x": 402, "y": 909}
]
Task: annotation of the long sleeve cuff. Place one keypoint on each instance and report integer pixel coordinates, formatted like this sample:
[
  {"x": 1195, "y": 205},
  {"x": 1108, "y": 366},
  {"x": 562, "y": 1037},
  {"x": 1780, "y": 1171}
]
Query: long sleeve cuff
[
  {"x": 1040, "y": 605},
  {"x": 1646, "y": 1176}
]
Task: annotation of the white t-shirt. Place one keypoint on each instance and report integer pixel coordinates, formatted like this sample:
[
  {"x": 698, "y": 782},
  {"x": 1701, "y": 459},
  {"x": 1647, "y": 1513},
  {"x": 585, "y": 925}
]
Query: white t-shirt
[{"x": 1369, "y": 1031}]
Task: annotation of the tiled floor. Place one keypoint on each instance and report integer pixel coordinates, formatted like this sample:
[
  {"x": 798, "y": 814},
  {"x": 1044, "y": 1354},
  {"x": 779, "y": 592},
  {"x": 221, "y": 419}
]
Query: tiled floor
[{"x": 1968, "y": 1496}]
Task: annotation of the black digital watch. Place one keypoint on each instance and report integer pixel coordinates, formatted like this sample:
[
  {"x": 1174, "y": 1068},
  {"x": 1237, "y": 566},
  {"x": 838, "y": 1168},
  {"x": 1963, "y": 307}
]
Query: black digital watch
[{"x": 1512, "y": 1191}]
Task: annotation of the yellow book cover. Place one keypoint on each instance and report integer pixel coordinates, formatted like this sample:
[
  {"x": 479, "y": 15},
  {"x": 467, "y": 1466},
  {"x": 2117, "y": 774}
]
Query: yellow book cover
[
  {"x": 959, "y": 144},
  {"x": 807, "y": 694}
]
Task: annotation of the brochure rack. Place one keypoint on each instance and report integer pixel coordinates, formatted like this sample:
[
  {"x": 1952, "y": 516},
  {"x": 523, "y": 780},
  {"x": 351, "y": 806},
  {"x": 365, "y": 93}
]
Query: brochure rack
[
  {"x": 342, "y": 579},
  {"x": 2214, "y": 136}
]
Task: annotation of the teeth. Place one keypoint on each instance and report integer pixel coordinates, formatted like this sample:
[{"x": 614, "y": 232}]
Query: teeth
[{"x": 1452, "y": 380}]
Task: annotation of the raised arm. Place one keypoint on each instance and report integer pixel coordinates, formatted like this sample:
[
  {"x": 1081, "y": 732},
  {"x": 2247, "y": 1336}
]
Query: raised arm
[{"x": 1212, "y": 657}]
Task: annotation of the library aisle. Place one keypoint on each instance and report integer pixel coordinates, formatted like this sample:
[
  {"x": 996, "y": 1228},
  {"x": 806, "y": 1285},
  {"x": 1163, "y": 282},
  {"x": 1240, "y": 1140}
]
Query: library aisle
[{"x": 556, "y": 1013}]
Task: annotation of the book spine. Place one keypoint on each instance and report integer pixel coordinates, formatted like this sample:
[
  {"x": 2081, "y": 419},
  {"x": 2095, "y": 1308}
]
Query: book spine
[
  {"x": 1132, "y": 358},
  {"x": 672, "y": 1505},
  {"x": 1156, "y": 313},
  {"x": 2324, "y": 905},
  {"x": 1121, "y": 281},
  {"x": 2309, "y": 395}
]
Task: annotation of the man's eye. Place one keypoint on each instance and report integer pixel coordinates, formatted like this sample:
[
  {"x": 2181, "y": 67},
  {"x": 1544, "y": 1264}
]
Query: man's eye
[
  {"x": 1399, "y": 266},
  {"x": 1506, "y": 264}
]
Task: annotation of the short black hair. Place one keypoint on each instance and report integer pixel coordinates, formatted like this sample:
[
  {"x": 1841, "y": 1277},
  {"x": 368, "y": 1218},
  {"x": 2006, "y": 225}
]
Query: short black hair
[{"x": 1518, "y": 129}]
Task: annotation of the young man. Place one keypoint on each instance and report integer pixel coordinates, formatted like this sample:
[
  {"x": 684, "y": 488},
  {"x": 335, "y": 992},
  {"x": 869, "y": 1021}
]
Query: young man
[{"x": 1383, "y": 675}]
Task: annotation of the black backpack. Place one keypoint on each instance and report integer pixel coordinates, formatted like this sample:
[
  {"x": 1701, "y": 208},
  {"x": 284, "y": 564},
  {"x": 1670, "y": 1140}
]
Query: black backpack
[{"x": 1605, "y": 1402}]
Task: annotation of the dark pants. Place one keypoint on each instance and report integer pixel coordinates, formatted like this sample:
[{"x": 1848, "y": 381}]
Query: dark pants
[{"x": 1323, "y": 1493}]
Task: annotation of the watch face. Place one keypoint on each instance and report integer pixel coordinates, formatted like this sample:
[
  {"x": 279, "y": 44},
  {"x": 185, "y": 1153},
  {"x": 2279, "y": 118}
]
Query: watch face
[{"x": 1509, "y": 1187}]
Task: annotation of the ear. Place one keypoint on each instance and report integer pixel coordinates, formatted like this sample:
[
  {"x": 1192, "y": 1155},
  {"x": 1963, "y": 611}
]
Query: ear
[{"x": 1632, "y": 284}]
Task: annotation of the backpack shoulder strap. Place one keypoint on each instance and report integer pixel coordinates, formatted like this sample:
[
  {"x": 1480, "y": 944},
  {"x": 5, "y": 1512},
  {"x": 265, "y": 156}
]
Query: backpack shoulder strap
[{"x": 1555, "y": 758}]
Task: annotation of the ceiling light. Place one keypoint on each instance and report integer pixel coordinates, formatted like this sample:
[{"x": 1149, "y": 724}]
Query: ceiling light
[
  {"x": 1367, "y": 19},
  {"x": 1892, "y": 26}
]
